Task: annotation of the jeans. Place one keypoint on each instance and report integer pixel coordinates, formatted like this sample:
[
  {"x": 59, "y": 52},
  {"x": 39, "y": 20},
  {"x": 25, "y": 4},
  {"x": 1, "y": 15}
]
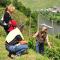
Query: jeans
[
  {"x": 17, "y": 49},
  {"x": 39, "y": 47}
]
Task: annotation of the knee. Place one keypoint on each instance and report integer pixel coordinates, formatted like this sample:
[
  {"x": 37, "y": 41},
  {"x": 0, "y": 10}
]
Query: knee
[{"x": 26, "y": 46}]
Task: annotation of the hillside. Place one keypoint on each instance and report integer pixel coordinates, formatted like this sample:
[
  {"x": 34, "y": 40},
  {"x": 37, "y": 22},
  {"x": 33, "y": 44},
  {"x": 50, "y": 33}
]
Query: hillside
[
  {"x": 38, "y": 4},
  {"x": 50, "y": 54},
  {"x": 21, "y": 18}
]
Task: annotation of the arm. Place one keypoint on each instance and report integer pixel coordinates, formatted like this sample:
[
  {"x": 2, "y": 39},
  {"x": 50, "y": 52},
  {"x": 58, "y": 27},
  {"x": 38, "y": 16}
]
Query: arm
[
  {"x": 22, "y": 42},
  {"x": 7, "y": 17},
  {"x": 36, "y": 34},
  {"x": 47, "y": 40}
]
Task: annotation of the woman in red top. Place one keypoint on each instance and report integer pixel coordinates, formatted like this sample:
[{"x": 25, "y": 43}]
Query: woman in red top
[{"x": 7, "y": 17}]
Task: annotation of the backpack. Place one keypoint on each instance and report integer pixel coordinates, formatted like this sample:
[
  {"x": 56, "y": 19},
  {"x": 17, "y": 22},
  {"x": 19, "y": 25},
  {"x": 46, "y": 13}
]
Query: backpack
[{"x": 12, "y": 24}]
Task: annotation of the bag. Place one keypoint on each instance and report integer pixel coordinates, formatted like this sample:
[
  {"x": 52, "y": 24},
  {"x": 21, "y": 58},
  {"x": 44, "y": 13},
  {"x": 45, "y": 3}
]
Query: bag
[{"x": 12, "y": 24}]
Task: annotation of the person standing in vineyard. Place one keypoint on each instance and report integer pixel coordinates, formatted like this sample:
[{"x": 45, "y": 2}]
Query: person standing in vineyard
[{"x": 41, "y": 37}]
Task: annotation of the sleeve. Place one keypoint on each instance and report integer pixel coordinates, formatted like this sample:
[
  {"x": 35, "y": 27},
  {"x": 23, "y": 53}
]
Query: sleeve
[{"x": 7, "y": 17}]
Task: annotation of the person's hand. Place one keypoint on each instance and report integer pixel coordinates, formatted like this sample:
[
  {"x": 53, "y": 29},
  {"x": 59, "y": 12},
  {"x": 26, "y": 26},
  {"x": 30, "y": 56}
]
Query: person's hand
[
  {"x": 23, "y": 42},
  {"x": 49, "y": 46},
  {"x": 18, "y": 44},
  {"x": 33, "y": 36}
]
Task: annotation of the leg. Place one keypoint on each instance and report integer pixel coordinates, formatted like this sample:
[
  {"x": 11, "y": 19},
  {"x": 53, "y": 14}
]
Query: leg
[
  {"x": 11, "y": 50},
  {"x": 17, "y": 49},
  {"x": 37, "y": 46},
  {"x": 23, "y": 51},
  {"x": 41, "y": 48},
  {"x": 20, "y": 49},
  {"x": 9, "y": 55}
]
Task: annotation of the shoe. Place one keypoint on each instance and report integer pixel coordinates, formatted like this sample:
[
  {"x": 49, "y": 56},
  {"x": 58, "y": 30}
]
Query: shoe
[{"x": 9, "y": 55}]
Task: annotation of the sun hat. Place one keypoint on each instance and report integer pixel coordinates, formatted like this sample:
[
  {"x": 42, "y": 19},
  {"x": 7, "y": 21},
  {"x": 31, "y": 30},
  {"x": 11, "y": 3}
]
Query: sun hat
[{"x": 46, "y": 26}]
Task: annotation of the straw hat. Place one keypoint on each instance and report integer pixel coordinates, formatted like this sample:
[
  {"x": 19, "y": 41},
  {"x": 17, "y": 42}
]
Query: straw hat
[{"x": 45, "y": 27}]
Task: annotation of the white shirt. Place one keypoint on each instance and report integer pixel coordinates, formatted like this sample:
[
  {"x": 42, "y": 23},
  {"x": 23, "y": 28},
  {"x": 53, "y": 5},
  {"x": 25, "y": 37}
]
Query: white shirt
[{"x": 13, "y": 34}]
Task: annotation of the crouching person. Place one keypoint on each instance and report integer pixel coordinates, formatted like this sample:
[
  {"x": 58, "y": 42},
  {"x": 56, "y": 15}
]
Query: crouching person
[{"x": 15, "y": 43}]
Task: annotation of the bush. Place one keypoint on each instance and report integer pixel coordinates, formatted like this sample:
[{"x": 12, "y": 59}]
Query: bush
[
  {"x": 4, "y": 3},
  {"x": 2, "y": 32},
  {"x": 53, "y": 53},
  {"x": 31, "y": 44},
  {"x": 26, "y": 12},
  {"x": 17, "y": 4},
  {"x": 27, "y": 22},
  {"x": 34, "y": 17},
  {"x": 58, "y": 36},
  {"x": 22, "y": 8}
]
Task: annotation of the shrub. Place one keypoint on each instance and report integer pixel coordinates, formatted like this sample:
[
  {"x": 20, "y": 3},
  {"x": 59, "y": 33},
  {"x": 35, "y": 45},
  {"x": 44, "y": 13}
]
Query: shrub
[
  {"x": 4, "y": 3},
  {"x": 34, "y": 17},
  {"x": 2, "y": 32},
  {"x": 31, "y": 44},
  {"x": 22, "y": 8},
  {"x": 58, "y": 36},
  {"x": 26, "y": 12},
  {"x": 53, "y": 53}
]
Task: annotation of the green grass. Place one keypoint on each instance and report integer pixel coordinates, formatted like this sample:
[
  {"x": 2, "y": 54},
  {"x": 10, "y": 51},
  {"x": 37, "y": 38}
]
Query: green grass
[{"x": 38, "y": 4}]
